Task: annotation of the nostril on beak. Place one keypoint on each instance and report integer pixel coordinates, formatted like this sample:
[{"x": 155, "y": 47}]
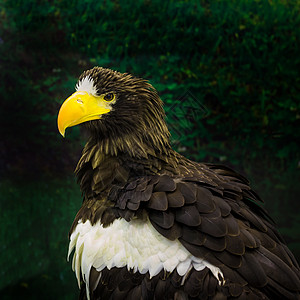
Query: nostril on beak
[{"x": 79, "y": 101}]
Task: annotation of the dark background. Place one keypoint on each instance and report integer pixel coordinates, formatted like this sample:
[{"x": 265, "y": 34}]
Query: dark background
[{"x": 228, "y": 72}]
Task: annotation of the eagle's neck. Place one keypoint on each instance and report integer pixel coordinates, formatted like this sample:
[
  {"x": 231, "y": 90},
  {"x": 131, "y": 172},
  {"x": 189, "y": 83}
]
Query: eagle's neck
[
  {"x": 98, "y": 169},
  {"x": 138, "y": 146},
  {"x": 137, "y": 141}
]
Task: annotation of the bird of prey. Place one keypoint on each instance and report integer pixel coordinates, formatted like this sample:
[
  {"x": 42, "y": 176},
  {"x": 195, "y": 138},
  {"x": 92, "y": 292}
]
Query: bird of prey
[{"x": 154, "y": 224}]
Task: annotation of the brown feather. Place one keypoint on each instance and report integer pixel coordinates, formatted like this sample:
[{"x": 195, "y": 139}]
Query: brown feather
[
  {"x": 158, "y": 201},
  {"x": 235, "y": 289},
  {"x": 193, "y": 236},
  {"x": 223, "y": 206},
  {"x": 188, "y": 215},
  {"x": 252, "y": 271},
  {"x": 205, "y": 204},
  {"x": 215, "y": 243},
  {"x": 248, "y": 239},
  {"x": 235, "y": 245},
  {"x": 188, "y": 192},
  {"x": 215, "y": 227},
  {"x": 233, "y": 228},
  {"x": 175, "y": 199},
  {"x": 230, "y": 260},
  {"x": 163, "y": 219},
  {"x": 254, "y": 220},
  {"x": 172, "y": 233},
  {"x": 165, "y": 184}
]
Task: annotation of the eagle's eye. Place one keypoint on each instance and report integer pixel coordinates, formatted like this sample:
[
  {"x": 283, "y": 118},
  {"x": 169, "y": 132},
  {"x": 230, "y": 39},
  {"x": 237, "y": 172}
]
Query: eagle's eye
[{"x": 109, "y": 97}]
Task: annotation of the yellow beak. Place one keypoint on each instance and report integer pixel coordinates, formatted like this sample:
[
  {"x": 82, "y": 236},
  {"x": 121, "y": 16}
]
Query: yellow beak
[{"x": 78, "y": 108}]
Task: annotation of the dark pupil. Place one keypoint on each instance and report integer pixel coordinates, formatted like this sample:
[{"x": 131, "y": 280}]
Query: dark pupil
[{"x": 109, "y": 97}]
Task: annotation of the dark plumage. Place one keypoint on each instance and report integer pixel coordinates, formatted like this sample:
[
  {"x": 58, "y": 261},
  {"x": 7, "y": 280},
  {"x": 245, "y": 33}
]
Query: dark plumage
[{"x": 128, "y": 170}]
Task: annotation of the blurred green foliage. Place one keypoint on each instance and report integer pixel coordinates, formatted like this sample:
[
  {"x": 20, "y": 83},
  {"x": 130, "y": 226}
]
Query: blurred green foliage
[
  {"x": 227, "y": 70},
  {"x": 36, "y": 217}
]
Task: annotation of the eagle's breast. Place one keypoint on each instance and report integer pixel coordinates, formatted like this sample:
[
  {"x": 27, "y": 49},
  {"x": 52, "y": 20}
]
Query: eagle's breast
[{"x": 135, "y": 245}]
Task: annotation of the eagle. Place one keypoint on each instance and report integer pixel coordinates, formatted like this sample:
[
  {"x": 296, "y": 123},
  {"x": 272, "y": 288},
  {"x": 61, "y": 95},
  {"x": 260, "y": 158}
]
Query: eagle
[{"x": 154, "y": 224}]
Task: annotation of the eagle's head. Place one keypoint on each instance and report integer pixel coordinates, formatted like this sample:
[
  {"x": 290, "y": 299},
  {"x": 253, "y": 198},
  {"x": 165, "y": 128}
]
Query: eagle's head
[{"x": 122, "y": 113}]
